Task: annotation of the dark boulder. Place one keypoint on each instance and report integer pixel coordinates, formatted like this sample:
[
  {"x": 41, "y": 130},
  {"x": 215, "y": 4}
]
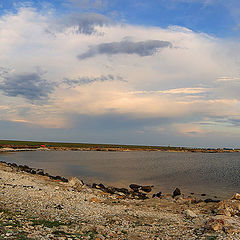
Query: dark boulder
[
  {"x": 123, "y": 190},
  {"x": 58, "y": 178},
  {"x": 176, "y": 192},
  {"x": 99, "y": 186},
  {"x": 146, "y": 188},
  {"x": 40, "y": 172},
  {"x": 158, "y": 195},
  {"x": 110, "y": 190},
  {"x": 134, "y": 187},
  {"x": 13, "y": 165},
  {"x": 139, "y": 195},
  {"x": 24, "y": 168}
]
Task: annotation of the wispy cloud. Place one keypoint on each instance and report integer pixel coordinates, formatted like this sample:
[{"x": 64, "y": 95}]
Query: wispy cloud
[
  {"x": 174, "y": 91},
  {"x": 227, "y": 79},
  {"x": 88, "y": 80}
]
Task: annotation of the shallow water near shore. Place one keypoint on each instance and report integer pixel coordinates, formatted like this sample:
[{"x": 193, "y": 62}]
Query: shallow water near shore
[{"x": 214, "y": 174}]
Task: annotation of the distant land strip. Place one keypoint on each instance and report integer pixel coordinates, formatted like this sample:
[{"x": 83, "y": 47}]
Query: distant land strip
[{"x": 8, "y": 145}]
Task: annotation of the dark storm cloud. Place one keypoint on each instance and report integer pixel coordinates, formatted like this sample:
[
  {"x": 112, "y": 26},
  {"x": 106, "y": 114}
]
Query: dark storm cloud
[
  {"x": 88, "y": 80},
  {"x": 146, "y": 48},
  {"x": 84, "y": 23},
  {"x": 30, "y": 86}
]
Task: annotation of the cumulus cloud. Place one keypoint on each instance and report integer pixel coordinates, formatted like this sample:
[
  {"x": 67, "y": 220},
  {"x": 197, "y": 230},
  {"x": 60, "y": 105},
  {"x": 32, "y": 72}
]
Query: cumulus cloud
[
  {"x": 183, "y": 84},
  {"x": 30, "y": 86},
  {"x": 144, "y": 48}
]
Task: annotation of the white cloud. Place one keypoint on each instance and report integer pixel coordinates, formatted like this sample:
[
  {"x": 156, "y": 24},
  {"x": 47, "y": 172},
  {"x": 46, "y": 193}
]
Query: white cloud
[{"x": 176, "y": 83}]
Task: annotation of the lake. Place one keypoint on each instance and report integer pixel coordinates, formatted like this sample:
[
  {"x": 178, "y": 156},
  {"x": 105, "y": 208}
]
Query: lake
[{"x": 215, "y": 174}]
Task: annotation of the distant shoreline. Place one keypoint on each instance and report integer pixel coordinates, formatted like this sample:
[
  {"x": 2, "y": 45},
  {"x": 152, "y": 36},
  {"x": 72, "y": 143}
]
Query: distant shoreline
[{"x": 14, "y": 146}]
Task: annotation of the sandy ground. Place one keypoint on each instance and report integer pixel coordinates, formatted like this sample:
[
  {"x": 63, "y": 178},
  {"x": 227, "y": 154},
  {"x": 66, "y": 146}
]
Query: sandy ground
[{"x": 37, "y": 207}]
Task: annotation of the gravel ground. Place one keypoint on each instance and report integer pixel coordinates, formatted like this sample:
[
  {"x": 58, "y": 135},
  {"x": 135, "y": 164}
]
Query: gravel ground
[{"x": 37, "y": 207}]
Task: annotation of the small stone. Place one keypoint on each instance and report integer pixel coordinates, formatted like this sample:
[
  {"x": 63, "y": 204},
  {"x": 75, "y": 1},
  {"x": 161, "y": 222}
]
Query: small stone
[
  {"x": 217, "y": 226},
  {"x": 96, "y": 200},
  {"x": 121, "y": 194},
  {"x": 224, "y": 212},
  {"x": 190, "y": 214},
  {"x": 75, "y": 183},
  {"x": 59, "y": 207},
  {"x": 236, "y": 196}
]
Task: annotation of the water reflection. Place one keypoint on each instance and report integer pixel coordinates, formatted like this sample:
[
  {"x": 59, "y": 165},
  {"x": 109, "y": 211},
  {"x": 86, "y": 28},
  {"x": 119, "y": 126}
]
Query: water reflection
[{"x": 216, "y": 174}]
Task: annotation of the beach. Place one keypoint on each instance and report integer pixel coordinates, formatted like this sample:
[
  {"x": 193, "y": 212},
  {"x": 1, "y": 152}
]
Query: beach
[
  {"x": 34, "y": 205},
  {"x": 119, "y": 120}
]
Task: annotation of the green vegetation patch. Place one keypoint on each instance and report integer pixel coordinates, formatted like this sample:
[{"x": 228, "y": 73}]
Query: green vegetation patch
[
  {"x": 5, "y": 210},
  {"x": 60, "y": 233},
  {"x": 13, "y": 143},
  {"x": 12, "y": 224},
  {"x": 211, "y": 238},
  {"x": 91, "y": 234},
  {"x": 46, "y": 223},
  {"x": 22, "y": 236}
]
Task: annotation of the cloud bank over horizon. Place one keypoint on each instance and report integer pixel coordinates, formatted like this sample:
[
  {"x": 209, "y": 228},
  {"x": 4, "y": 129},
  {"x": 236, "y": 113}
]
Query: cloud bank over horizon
[{"x": 84, "y": 77}]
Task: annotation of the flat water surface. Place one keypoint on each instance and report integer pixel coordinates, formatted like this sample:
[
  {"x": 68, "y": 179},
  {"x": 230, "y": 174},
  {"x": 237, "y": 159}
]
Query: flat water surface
[{"x": 215, "y": 174}]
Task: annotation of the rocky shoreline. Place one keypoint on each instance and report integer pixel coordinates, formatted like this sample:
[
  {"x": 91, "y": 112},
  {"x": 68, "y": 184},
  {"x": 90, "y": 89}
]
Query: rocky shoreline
[{"x": 36, "y": 205}]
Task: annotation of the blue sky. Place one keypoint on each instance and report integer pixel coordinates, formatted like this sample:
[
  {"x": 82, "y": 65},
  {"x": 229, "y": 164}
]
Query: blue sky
[
  {"x": 217, "y": 17},
  {"x": 151, "y": 72}
]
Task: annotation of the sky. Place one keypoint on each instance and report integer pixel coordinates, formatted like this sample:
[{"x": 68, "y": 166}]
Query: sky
[{"x": 156, "y": 72}]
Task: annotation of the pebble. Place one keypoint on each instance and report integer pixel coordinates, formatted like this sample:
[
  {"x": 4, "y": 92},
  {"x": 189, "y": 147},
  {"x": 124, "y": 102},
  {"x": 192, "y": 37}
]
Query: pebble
[
  {"x": 190, "y": 213},
  {"x": 65, "y": 210}
]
